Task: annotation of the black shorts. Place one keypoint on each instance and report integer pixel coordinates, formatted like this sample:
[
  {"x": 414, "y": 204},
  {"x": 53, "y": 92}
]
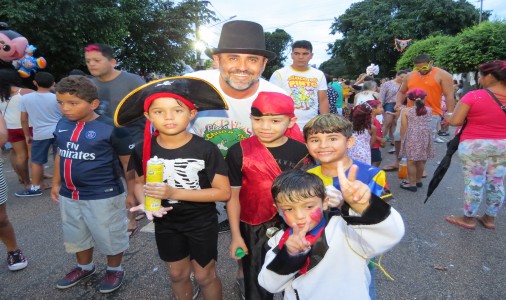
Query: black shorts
[
  {"x": 197, "y": 238},
  {"x": 376, "y": 155}
]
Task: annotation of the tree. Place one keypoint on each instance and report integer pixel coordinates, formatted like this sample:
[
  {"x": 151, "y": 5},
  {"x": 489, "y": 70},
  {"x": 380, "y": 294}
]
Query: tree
[
  {"x": 428, "y": 46},
  {"x": 335, "y": 67},
  {"x": 369, "y": 28},
  {"x": 149, "y": 35},
  {"x": 473, "y": 46},
  {"x": 277, "y": 42}
]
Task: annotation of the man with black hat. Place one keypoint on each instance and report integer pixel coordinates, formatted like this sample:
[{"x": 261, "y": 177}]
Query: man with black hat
[{"x": 240, "y": 59}]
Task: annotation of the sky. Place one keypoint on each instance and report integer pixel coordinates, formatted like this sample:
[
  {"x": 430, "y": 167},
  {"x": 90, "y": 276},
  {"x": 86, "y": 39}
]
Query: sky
[{"x": 303, "y": 20}]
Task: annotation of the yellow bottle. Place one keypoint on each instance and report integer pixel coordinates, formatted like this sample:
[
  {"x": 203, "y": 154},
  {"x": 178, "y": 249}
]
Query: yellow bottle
[{"x": 154, "y": 173}]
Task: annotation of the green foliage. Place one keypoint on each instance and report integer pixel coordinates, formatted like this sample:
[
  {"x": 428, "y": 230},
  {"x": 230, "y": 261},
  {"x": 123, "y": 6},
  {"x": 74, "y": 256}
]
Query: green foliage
[
  {"x": 335, "y": 67},
  {"x": 148, "y": 35},
  {"x": 473, "y": 46},
  {"x": 369, "y": 28},
  {"x": 277, "y": 42},
  {"x": 428, "y": 46}
]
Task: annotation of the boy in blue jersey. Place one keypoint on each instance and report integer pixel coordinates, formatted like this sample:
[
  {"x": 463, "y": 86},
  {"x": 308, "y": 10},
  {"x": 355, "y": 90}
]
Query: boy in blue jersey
[
  {"x": 328, "y": 138},
  {"x": 87, "y": 183}
]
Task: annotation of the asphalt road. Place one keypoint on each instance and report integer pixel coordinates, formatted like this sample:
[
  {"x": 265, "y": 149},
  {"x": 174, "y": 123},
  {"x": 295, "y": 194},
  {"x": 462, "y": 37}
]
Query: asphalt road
[{"x": 435, "y": 260}]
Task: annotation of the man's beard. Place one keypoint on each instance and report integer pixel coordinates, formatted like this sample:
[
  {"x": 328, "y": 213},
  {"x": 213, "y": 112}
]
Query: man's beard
[{"x": 242, "y": 86}]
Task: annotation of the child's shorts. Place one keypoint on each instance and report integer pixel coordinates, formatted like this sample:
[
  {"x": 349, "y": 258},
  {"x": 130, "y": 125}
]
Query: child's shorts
[
  {"x": 17, "y": 135},
  {"x": 95, "y": 223},
  {"x": 199, "y": 241},
  {"x": 40, "y": 150},
  {"x": 376, "y": 155}
]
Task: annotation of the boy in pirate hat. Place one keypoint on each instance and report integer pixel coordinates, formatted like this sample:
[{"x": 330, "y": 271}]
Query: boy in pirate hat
[
  {"x": 194, "y": 177},
  {"x": 254, "y": 163}
]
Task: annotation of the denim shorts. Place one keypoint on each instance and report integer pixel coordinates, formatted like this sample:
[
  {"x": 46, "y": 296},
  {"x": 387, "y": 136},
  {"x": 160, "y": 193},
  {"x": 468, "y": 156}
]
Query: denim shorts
[
  {"x": 389, "y": 107},
  {"x": 40, "y": 150},
  {"x": 98, "y": 223}
]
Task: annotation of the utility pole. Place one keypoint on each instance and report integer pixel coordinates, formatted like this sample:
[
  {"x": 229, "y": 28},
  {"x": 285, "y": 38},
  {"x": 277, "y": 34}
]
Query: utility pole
[
  {"x": 481, "y": 11},
  {"x": 197, "y": 35}
]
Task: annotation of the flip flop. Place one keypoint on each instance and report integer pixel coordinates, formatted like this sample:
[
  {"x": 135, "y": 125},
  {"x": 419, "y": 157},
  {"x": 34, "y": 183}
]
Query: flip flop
[
  {"x": 140, "y": 216},
  {"x": 133, "y": 231},
  {"x": 486, "y": 225},
  {"x": 408, "y": 188},
  {"x": 390, "y": 168},
  {"x": 418, "y": 184},
  {"x": 454, "y": 221}
]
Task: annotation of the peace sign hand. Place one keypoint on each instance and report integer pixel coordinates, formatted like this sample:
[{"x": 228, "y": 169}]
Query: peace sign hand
[
  {"x": 296, "y": 243},
  {"x": 356, "y": 193}
]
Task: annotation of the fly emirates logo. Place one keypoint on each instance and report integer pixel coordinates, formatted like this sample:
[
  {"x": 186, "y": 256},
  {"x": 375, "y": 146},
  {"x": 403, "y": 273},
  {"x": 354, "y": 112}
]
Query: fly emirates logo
[{"x": 73, "y": 152}]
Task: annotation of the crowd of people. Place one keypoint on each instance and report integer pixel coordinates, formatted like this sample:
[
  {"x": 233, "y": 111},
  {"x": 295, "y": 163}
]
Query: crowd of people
[{"x": 293, "y": 163}]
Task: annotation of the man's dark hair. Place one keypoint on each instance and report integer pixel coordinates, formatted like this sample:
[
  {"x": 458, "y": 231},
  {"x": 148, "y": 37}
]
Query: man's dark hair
[
  {"x": 44, "y": 79},
  {"x": 106, "y": 50},
  {"x": 78, "y": 85},
  {"x": 402, "y": 72},
  {"x": 303, "y": 44},
  {"x": 422, "y": 58}
]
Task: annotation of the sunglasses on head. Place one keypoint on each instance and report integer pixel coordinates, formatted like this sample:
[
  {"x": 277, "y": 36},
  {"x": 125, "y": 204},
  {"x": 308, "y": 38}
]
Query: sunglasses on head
[{"x": 424, "y": 68}]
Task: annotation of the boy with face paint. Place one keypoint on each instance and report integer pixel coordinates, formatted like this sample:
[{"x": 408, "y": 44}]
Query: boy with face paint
[
  {"x": 323, "y": 252},
  {"x": 253, "y": 164}
]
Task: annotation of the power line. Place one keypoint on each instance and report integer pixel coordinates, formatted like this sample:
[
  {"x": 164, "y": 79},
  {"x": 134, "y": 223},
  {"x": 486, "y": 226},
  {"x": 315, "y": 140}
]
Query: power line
[{"x": 302, "y": 21}]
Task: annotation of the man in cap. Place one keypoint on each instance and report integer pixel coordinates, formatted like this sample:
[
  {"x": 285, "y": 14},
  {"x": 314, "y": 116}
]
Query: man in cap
[{"x": 240, "y": 59}]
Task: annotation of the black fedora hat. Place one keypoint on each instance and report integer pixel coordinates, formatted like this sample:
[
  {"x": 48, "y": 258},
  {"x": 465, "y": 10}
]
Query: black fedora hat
[
  {"x": 199, "y": 92},
  {"x": 242, "y": 37}
]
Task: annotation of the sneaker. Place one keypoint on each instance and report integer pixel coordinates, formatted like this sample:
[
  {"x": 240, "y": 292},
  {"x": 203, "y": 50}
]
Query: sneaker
[
  {"x": 392, "y": 150},
  {"x": 438, "y": 140},
  {"x": 224, "y": 226},
  {"x": 73, "y": 277},
  {"x": 112, "y": 281},
  {"x": 195, "y": 287},
  {"x": 443, "y": 133},
  {"x": 29, "y": 193},
  {"x": 240, "y": 284},
  {"x": 16, "y": 260}
]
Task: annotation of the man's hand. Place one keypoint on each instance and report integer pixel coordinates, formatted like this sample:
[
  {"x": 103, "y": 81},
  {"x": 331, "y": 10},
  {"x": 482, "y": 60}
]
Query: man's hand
[
  {"x": 151, "y": 214},
  {"x": 297, "y": 243}
]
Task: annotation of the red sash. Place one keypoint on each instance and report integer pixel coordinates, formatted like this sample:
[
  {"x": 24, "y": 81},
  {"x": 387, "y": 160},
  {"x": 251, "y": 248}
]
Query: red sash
[{"x": 259, "y": 169}]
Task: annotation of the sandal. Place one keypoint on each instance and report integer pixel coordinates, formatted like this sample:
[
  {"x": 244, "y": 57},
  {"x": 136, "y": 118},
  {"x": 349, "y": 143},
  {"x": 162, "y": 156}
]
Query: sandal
[
  {"x": 141, "y": 215},
  {"x": 131, "y": 232},
  {"x": 408, "y": 187},
  {"x": 455, "y": 221},
  {"x": 485, "y": 224},
  {"x": 418, "y": 184},
  {"x": 390, "y": 168}
]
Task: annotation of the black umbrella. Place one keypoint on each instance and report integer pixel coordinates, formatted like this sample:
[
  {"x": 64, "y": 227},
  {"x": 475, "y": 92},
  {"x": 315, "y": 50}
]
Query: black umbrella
[{"x": 439, "y": 173}]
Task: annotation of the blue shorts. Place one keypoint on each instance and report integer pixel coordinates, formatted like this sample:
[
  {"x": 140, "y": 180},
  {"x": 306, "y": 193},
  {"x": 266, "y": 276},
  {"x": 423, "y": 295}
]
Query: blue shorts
[
  {"x": 40, "y": 150},
  {"x": 389, "y": 107},
  {"x": 98, "y": 223},
  {"x": 376, "y": 155}
]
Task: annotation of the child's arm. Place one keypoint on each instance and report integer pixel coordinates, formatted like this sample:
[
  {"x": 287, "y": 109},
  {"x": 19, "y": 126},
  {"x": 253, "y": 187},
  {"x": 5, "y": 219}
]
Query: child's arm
[
  {"x": 219, "y": 191},
  {"x": 56, "y": 182},
  {"x": 234, "y": 211},
  {"x": 279, "y": 268},
  {"x": 138, "y": 191},
  {"x": 130, "y": 180},
  {"x": 373, "y": 132},
  {"x": 356, "y": 193}
]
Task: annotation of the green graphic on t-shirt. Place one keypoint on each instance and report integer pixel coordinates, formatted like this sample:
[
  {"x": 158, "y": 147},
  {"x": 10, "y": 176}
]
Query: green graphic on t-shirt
[{"x": 225, "y": 138}]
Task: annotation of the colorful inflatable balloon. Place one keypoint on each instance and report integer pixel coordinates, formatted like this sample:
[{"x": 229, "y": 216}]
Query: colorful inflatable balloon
[
  {"x": 400, "y": 45},
  {"x": 12, "y": 44},
  {"x": 28, "y": 63}
]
